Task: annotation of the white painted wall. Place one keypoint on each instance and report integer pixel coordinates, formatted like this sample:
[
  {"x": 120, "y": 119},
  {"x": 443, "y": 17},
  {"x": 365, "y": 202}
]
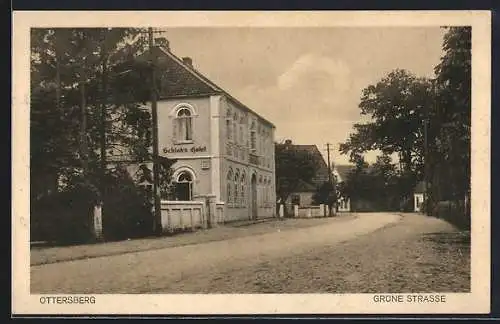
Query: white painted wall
[{"x": 418, "y": 199}]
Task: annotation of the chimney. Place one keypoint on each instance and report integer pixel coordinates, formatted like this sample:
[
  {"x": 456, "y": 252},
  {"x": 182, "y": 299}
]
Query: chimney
[
  {"x": 188, "y": 61},
  {"x": 162, "y": 42}
]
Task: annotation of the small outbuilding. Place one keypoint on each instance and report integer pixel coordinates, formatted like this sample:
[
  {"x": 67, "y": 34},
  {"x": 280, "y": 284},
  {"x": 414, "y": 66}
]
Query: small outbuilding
[{"x": 418, "y": 196}]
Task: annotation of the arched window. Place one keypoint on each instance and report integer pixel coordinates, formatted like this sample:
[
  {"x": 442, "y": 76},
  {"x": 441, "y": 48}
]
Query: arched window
[
  {"x": 243, "y": 191},
  {"x": 266, "y": 191},
  {"x": 236, "y": 187},
  {"x": 184, "y": 125},
  {"x": 184, "y": 186},
  {"x": 229, "y": 186}
]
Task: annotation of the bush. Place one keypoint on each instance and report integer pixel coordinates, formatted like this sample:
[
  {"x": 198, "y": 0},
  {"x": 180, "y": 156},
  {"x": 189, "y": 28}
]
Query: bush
[
  {"x": 67, "y": 217},
  {"x": 453, "y": 212},
  {"x": 64, "y": 217},
  {"x": 126, "y": 209}
]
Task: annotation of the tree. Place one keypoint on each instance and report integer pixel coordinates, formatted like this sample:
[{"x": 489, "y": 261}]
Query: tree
[
  {"x": 398, "y": 106},
  {"x": 67, "y": 66},
  {"x": 292, "y": 166},
  {"x": 87, "y": 102},
  {"x": 325, "y": 194},
  {"x": 453, "y": 88}
]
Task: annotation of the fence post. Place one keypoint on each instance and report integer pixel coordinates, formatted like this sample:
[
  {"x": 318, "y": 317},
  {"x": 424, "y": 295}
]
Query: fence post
[
  {"x": 295, "y": 210},
  {"x": 281, "y": 212},
  {"x": 97, "y": 222},
  {"x": 211, "y": 210}
]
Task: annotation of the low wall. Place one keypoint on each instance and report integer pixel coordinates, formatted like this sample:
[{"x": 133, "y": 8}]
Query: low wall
[
  {"x": 310, "y": 211},
  {"x": 181, "y": 215},
  {"x": 307, "y": 211}
]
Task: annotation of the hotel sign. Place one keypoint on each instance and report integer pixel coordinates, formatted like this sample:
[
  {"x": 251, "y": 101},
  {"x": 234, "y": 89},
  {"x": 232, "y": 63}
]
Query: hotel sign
[{"x": 194, "y": 149}]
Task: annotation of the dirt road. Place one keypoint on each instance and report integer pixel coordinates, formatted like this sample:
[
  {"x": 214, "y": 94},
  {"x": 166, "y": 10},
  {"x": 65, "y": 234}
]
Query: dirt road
[{"x": 179, "y": 268}]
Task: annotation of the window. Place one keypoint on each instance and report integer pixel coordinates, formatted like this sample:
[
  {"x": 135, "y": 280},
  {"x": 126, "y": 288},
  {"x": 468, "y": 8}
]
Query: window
[
  {"x": 253, "y": 141},
  {"x": 295, "y": 200},
  {"x": 241, "y": 135},
  {"x": 236, "y": 185},
  {"x": 243, "y": 191},
  {"x": 184, "y": 186},
  {"x": 228, "y": 129},
  {"x": 235, "y": 129},
  {"x": 229, "y": 185},
  {"x": 253, "y": 137},
  {"x": 184, "y": 125},
  {"x": 235, "y": 133},
  {"x": 268, "y": 196}
]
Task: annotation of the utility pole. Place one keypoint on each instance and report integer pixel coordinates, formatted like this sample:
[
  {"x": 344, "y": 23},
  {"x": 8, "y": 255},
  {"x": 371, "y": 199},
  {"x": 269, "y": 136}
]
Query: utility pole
[
  {"x": 154, "y": 115},
  {"x": 426, "y": 168},
  {"x": 330, "y": 203}
]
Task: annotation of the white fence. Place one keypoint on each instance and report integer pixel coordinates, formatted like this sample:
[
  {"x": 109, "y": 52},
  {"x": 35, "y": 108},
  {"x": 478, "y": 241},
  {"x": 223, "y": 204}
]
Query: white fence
[
  {"x": 307, "y": 211},
  {"x": 182, "y": 215}
]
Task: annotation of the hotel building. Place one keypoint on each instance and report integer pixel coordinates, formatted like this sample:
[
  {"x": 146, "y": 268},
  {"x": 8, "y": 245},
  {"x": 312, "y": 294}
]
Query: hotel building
[{"x": 222, "y": 148}]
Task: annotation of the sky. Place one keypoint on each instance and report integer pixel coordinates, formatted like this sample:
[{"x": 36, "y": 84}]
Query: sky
[{"x": 307, "y": 81}]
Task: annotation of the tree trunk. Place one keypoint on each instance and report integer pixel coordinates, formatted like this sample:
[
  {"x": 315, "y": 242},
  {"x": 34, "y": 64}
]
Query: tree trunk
[{"x": 83, "y": 124}]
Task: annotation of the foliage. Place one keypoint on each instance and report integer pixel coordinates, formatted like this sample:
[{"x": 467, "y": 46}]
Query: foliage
[
  {"x": 397, "y": 106},
  {"x": 377, "y": 186},
  {"x": 64, "y": 217},
  {"x": 128, "y": 207},
  {"x": 325, "y": 194},
  {"x": 87, "y": 108},
  {"x": 453, "y": 141},
  {"x": 404, "y": 111}
]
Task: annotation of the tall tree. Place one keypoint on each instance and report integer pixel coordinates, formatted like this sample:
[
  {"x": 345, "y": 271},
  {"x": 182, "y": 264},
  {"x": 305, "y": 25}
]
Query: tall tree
[
  {"x": 453, "y": 107},
  {"x": 397, "y": 105},
  {"x": 70, "y": 65}
]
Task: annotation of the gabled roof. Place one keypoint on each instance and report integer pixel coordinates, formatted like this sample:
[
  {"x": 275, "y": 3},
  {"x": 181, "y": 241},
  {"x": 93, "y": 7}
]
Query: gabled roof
[
  {"x": 303, "y": 186},
  {"x": 343, "y": 171},
  {"x": 321, "y": 175},
  {"x": 181, "y": 80}
]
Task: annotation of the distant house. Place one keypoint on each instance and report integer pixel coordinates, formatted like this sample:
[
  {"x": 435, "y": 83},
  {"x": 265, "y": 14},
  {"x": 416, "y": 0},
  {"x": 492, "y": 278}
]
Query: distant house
[
  {"x": 418, "y": 196},
  {"x": 303, "y": 195},
  {"x": 341, "y": 172}
]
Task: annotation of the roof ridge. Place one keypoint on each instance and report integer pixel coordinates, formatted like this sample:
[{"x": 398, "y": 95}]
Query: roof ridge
[
  {"x": 194, "y": 72},
  {"x": 209, "y": 82}
]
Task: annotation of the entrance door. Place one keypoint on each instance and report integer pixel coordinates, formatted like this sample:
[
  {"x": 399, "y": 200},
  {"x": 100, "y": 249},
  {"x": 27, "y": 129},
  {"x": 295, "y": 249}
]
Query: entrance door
[{"x": 253, "y": 205}]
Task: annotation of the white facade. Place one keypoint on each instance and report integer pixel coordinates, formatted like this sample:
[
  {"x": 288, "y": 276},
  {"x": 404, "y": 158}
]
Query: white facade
[{"x": 223, "y": 150}]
